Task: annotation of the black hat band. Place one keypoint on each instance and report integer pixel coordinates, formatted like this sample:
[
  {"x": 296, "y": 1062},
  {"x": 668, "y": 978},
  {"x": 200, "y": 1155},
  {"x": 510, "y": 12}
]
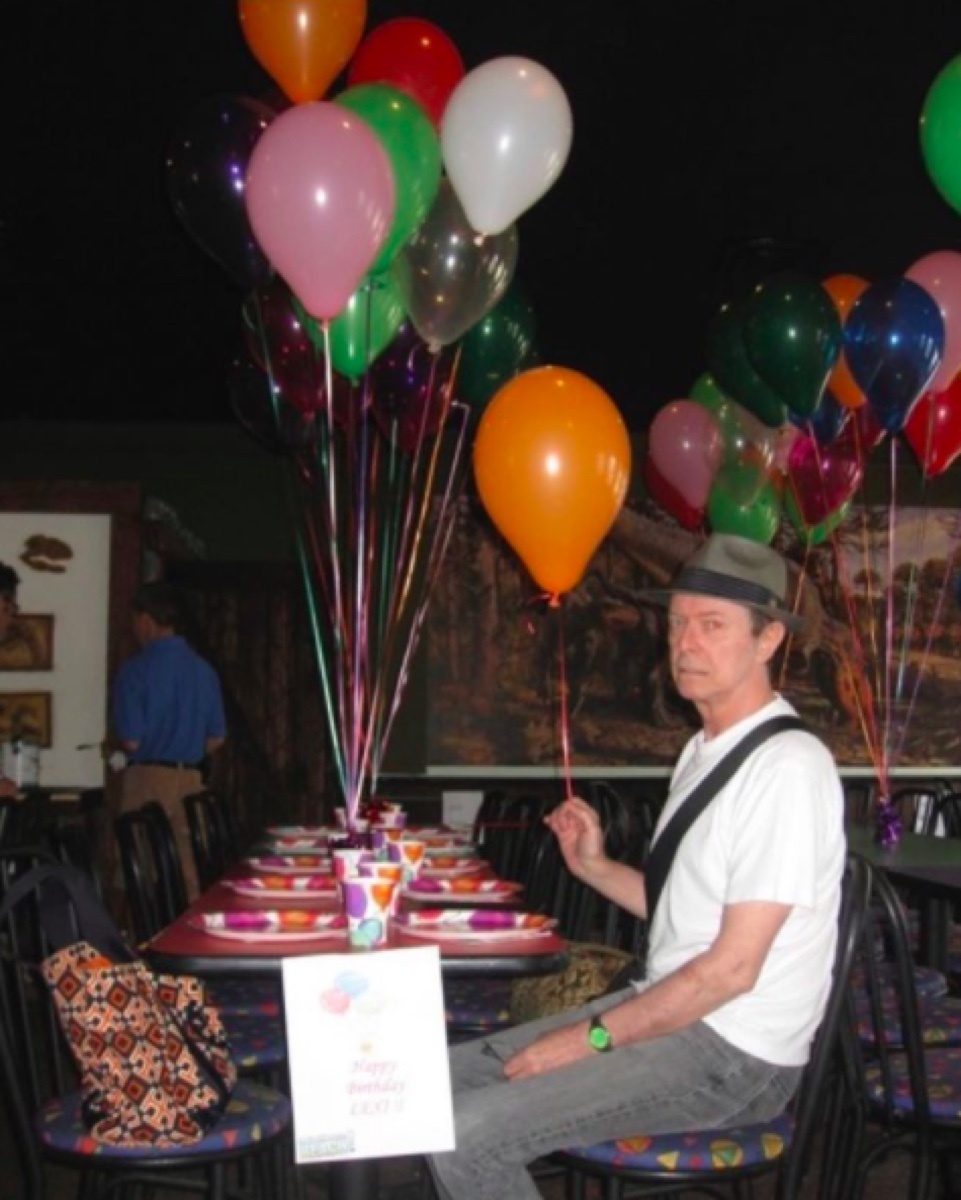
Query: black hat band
[{"x": 712, "y": 583}]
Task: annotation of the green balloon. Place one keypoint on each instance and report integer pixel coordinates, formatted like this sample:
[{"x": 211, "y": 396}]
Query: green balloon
[
  {"x": 733, "y": 370},
  {"x": 941, "y": 132},
  {"x": 792, "y": 333},
  {"x": 496, "y": 349},
  {"x": 363, "y": 329},
  {"x": 411, "y": 144},
  {"x": 756, "y": 518}
]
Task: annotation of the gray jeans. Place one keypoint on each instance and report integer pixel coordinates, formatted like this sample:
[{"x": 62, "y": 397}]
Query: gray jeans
[{"x": 689, "y": 1080}]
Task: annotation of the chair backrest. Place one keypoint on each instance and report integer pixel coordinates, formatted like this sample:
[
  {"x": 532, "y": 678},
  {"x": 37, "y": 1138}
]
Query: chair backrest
[
  {"x": 885, "y": 1060},
  {"x": 212, "y": 836},
  {"x": 151, "y": 867},
  {"x": 814, "y": 1105},
  {"x": 944, "y": 815},
  {"x": 34, "y": 1061}
]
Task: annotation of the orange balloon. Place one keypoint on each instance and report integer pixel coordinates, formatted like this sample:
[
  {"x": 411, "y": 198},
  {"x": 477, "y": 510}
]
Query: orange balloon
[
  {"x": 303, "y": 44},
  {"x": 552, "y": 460},
  {"x": 844, "y": 290}
]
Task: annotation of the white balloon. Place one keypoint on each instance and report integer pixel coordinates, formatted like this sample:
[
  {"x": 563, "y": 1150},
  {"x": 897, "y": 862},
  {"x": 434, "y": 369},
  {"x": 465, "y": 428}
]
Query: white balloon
[{"x": 505, "y": 137}]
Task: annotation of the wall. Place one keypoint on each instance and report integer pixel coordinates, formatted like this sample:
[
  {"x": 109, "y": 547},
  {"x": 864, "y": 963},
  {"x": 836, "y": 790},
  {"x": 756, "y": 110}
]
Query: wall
[{"x": 78, "y": 601}]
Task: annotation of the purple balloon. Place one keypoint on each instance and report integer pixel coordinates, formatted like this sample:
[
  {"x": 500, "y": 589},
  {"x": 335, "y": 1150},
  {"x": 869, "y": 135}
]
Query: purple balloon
[
  {"x": 409, "y": 386},
  {"x": 206, "y": 169}
]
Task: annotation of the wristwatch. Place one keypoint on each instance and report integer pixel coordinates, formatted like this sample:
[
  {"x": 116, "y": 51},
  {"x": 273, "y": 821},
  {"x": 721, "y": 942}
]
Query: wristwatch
[{"x": 599, "y": 1036}]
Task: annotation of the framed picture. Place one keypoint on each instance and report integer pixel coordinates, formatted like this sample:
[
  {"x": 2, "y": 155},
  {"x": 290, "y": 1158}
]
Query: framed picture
[
  {"x": 29, "y": 644},
  {"x": 26, "y": 715}
]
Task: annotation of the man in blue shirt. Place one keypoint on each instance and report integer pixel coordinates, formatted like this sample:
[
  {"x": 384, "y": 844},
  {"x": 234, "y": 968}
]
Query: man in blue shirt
[{"x": 168, "y": 714}]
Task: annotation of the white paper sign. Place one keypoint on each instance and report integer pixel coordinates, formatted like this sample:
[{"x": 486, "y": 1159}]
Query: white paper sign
[{"x": 367, "y": 1048}]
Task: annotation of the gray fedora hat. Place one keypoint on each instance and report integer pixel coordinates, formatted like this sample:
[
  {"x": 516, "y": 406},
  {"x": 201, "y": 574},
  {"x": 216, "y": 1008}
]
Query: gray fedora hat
[{"x": 737, "y": 569}]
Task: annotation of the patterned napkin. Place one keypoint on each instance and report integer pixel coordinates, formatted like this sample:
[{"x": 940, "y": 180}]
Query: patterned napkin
[
  {"x": 296, "y": 884},
  {"x": 480, "y": 919},
  {"x": 467, "y": 885}
]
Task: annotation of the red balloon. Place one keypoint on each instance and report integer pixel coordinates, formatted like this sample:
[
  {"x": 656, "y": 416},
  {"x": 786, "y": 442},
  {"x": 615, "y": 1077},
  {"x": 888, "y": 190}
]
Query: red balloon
[
  {"x": 933, "y": 428},
  {"x": 413, "y": 56},
  {"x": 669, "y": 498}
]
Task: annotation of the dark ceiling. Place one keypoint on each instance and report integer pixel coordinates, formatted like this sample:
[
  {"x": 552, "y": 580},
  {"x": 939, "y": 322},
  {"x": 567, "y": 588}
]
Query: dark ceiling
[{"x": 712, "y": 142}]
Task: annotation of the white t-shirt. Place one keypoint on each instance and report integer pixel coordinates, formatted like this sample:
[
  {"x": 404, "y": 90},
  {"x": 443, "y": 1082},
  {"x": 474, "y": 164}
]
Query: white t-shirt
[{"x": 775, "y": 833}]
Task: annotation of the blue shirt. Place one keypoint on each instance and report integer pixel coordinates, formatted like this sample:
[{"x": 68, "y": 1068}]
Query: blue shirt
[{"x": 168, "y": 700}]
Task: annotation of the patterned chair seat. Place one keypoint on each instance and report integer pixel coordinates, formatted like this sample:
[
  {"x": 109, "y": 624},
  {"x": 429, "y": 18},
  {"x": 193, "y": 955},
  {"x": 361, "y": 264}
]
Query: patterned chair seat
[
  {"x": 246, "y": 997},
  {"x": 254, "y": 1114},
  {"x": 687, "y": 1153},
  {"x": 477, "y": 1005},
  {"x": 256, "y": 1043},
  {"x": 940, "y": 1021},
  {"x": 943, "y": 1076}
]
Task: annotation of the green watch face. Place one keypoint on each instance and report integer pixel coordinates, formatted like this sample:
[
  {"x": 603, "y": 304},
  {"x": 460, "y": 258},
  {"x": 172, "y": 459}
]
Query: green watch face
[{"x": 599, "y": 1036}]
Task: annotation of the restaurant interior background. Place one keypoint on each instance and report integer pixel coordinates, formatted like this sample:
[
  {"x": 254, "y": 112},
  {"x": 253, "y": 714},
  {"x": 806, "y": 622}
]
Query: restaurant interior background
[{"x": 704, "y": 158}]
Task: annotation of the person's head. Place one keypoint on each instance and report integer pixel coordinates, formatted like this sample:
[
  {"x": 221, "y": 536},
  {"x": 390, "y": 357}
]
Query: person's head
[
  {"x": 728, "y": 613},
  {"x": 9, "y": 582},
  {"x": 158, "y": 611}
]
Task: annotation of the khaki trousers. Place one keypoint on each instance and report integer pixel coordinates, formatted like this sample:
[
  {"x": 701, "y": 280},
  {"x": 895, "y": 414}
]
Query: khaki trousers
[{"x": 169, "y": 785}]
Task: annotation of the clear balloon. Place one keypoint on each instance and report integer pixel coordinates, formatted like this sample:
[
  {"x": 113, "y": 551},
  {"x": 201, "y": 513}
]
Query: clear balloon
[
  {"x": 206, "y": 164},
  {"x": 814, "y": 535},
  {"x": 269, "y": 416},
  {"x": 449, "y": 277},
  {"x": 552, "y": 462},
  {"x": 844, "y": 290},
  {"x": 684, "y": 443},
  {"x": 414, "y": 56},
  {"x": 940, "y": 276},
  {"x": 303, "y": 45},
  {"x": 893, "y": 341},
  {"x": 413, "y": 148},
  {"x": 743, "y": 436},
  {"x": 933, "y": 430},
  {"x": 320, "y": 197},
  {"x": 793, "y": 337},
  {"x": 505, "y": 138}
]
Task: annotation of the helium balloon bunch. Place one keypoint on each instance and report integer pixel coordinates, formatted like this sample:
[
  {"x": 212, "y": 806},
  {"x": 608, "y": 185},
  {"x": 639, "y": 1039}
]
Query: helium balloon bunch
[
  {"x": 805, "y": 379},
  {"x": 369, "y": 214}
]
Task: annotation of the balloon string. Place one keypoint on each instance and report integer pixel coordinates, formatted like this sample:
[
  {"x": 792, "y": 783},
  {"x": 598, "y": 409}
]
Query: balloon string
[{"x": 564, "y": 715}]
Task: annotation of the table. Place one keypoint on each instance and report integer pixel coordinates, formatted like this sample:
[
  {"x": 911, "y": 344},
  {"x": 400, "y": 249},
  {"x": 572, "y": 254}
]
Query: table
[
  {"x": 931, "y": 867},
  {"x": 180, "y": 948}
]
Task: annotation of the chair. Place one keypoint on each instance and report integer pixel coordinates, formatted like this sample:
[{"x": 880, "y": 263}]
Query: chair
[
  {"x": 907, "y": 1095},
  {"x": 44, "y": 1106},
  {"x": 251, "y": 1008},
  {"x": 722, "y": 1159},
  {"x": 213, "y": 836}
]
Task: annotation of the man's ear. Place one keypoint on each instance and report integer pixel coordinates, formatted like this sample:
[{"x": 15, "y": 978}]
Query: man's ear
[{"x": 770, "y": 638}]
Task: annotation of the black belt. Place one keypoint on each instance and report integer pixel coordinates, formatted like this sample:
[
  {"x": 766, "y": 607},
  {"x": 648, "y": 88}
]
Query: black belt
[{"x": 160, "y": 762}]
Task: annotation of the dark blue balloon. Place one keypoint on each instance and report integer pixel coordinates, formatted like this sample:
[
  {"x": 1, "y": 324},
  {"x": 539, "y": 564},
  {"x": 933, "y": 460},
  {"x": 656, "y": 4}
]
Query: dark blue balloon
[
  {"x": 825, "y": 423},
  {"x": 893, "y": 341}
]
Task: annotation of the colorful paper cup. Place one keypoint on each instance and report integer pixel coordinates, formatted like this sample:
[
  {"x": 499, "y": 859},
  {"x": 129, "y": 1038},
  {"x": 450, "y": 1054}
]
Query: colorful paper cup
[
  {"x": 367, "y": 903},
  {"x": 392, "y": 871},
  {"x": 410, "y": 854}
]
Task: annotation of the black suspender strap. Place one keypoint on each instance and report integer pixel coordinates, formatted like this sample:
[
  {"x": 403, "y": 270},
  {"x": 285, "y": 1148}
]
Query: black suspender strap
[{"x": 663, "y": 851}]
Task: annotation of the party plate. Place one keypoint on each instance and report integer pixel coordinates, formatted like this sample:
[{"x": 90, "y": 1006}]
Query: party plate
[
  {"x": 447, "y": 846},
  {"x": 301, "y": 831},
  {"x": 463, "y": 891},
  {"x": 451, "y": 868},
  {"x": 290, "y": 864},
  {"x": 289, "y": 926},
  {"x": 490, "y": 925},
  {"x": 292, "y": 845},
  {"x": 283, "y": 885}
]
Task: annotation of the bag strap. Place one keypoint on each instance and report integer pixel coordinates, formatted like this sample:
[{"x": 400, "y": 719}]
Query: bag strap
[
  {"x": 662, "y": 852},
  {"x": 69, "y": 911}
]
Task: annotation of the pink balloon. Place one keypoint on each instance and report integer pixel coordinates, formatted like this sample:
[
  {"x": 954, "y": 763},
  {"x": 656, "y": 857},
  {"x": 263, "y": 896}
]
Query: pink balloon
[
  {"x": 320, "y": 198},
  {"x": 823, "y": 478},
  {"x": 686, "y": 447},
  {"x": 940, "y": 276}
]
